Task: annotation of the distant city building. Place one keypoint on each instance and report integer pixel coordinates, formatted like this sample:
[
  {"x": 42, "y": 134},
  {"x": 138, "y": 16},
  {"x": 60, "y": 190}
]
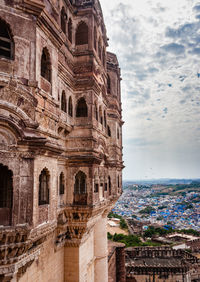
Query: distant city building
[{"x": 156, "y": 264}]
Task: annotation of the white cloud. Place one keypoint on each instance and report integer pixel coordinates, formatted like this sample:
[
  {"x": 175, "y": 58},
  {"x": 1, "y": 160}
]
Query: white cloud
[{"x": 158, "y": 47}]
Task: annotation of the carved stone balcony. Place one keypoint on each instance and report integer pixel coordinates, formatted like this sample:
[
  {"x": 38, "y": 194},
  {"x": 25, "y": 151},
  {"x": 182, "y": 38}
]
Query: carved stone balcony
[
  {"x": 19, "y": 247},
  {"x": 80, "y": 199}
]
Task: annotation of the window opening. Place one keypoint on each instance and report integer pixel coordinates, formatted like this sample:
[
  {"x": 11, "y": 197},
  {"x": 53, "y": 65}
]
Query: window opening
[
  {"x": 63, "y": 102},
  {"x": 6, "y": 41},
  {"x": 61, "y": 184},
  {"x": 46, "y": 65},
  {"x": 63, "y": 20},
  {"x": 70, "y": 30},
  {"x": 80, "y": 183},
  {"x": 44, "y": 187},
  {"x": 109, "y": 185},
  {"x": 109, "y": 131},
  {"x": 81, "y": 110},
  {"x": 108, "y": 85},
  {"x": 70, "y": 107},
  {"x": 82, "y": 34},
  {"x": 96, "y": 112}
]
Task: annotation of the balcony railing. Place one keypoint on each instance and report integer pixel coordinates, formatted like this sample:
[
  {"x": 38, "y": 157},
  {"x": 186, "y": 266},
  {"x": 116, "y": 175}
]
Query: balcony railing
[{"x": 80, "y": 199}]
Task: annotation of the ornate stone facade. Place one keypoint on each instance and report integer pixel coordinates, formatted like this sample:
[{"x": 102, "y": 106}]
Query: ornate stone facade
[{"x": 60, "y": 140}]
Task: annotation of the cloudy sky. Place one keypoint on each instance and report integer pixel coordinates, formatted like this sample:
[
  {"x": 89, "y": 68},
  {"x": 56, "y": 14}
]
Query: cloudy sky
[{"x": 158, "y": 47}]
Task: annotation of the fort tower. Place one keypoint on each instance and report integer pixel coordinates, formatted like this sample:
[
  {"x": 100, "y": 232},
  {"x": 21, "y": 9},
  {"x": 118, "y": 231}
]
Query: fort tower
[{"x": 60, "y": 140}]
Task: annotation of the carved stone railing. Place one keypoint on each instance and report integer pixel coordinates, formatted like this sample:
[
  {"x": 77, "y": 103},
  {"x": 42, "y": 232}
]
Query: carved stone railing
[
  {"x": 19, "y": 247},
  {"x": 80, "y": 199},
  {"x": 14, "y": 243}
]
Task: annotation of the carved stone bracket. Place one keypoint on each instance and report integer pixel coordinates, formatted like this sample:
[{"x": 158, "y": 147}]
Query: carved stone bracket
[{"x": 73, "y": 224}]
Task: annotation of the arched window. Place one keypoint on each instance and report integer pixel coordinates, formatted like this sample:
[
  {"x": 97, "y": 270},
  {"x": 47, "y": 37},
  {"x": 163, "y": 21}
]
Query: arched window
[
  {"x": 70, "y": 107},
  {"x": 6, "y": 41},
  {"x": 61, "y": 184},
  {"x": 81, "y": 109},
  {"x": 6, "y": 195},
  {"x": 95, "y": 112},
  {"x": 63, "y": 20},
  {"x": 82, "y": 34},
  {"x": 46, "y": 65},
  {"x": 105, "y": 120},
  {"x": 63, "y": 102},
  {"x": 95, "y": 38},
  {"x": 44, "y": 187},
  {"x": 70, "y": 30},
  {"x": 80, "y": 183},
  {"x": 109, "y": 131},
  {"x": 108, "y": 85},
  {"x": 109, "y": 185}
]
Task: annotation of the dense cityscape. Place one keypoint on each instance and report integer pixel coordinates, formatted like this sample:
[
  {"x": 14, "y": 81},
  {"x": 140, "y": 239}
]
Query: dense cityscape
[{"x": 177, "y": 206}]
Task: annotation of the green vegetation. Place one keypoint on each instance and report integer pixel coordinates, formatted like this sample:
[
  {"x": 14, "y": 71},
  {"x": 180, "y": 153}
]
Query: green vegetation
[
  {"x": 147, "y": 210},
  {"x": 130, "y": 240},
  {"x": 179, "y": 189},
  {"x": 152, "y": 231},
  {"x": 162, "y": 207},
  {"x": 158, "y": 231},
  {"x": 160, "y": 217},
  {"x": 112, "y": 214},
  {"x": 187, "y": 205},
  {"x": 189, "y": 232},
  {"x": 122, "y": 222},
  {"x": 158, "y": 194}
]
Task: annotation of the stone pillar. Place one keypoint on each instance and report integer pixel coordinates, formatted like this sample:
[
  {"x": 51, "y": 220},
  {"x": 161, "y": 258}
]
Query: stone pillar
[
  {"x": 100, "y": 251},
  {"x": 71, "y": 269},
  {"x": 120, "y": 264}
]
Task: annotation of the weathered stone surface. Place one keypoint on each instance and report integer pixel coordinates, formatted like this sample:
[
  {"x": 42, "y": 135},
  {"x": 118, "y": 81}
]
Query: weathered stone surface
[{"x": 53, "y": 231}]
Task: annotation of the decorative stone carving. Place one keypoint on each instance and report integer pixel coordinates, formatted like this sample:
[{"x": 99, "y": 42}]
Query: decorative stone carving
[{"x": 20, "y": 98}]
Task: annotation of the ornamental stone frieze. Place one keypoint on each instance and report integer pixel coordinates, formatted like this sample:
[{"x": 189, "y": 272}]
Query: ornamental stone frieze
[{"x": 19, "y": 247}]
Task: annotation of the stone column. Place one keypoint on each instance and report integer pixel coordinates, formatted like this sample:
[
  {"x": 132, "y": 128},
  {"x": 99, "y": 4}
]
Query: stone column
[
  {"x": 100, "y": 251},
  {"x": 120, "y": 263},
  {"x": 71, "y": 269}
]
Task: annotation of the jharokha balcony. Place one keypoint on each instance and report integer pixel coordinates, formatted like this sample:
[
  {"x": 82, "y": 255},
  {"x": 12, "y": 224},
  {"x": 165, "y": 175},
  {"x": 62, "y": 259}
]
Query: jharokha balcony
[{"x": 80, "y": 199}]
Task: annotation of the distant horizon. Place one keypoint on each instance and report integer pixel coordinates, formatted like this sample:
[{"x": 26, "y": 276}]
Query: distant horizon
[{"x": 163, "y": 178}]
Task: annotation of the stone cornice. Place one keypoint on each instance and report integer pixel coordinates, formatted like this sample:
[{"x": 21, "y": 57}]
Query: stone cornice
[
  {"x": 50, "y": 28},
  {"x": 34, "y": 7}
]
